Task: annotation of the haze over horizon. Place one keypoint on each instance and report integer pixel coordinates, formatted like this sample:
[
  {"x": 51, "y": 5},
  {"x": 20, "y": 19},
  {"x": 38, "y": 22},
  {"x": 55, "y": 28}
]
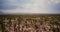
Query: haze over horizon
[{"x": 30, "y": 6}]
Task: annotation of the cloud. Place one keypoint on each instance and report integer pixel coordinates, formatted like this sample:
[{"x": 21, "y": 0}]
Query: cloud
[
  {"x": 31, "y": 6},
  {"x": 5, "y": 4},
  {"x": 56, "y": 7}
]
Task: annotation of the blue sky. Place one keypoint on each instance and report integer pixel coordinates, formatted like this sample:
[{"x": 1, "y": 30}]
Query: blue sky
[{"x": 30, "y": 6}]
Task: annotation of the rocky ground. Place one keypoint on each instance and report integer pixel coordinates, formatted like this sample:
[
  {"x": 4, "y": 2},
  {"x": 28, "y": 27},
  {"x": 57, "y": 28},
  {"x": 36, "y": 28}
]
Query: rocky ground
[{"x": 29, "y": 23}]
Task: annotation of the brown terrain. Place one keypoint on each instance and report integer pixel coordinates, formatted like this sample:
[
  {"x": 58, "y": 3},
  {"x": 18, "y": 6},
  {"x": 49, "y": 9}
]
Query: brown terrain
[{"x": 29, "y": 23}]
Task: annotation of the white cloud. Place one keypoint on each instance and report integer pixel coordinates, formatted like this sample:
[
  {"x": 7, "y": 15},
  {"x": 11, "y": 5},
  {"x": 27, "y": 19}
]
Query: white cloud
[
  {"x": 37, "y": 6},
  {"x": 55, "y": 1}
]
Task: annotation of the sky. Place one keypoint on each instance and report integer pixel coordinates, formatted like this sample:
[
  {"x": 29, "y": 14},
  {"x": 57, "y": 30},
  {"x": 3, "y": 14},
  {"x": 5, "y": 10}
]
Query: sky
[{"x": 29, "y": 6}]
